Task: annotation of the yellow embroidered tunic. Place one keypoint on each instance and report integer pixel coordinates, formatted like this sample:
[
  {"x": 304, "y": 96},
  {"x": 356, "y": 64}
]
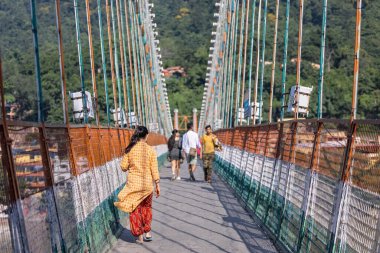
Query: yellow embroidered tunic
[{"x": 141, "y": 162}]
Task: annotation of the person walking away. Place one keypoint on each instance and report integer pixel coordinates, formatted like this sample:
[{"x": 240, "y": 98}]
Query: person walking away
[
  {"x": 190, "y": 143},
  {"x": 175, "y": 153},
  {"x": 209, "y": 142},
  {"x": 140, "y": 161}
]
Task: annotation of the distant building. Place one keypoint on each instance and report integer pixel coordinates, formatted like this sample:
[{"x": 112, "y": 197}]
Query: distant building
[
  {"x": 11, "y": 110},
  {"x": 176, "y": 71},
  {"x": 294, "y": 61},
  {"x": 315, "y": 66}
]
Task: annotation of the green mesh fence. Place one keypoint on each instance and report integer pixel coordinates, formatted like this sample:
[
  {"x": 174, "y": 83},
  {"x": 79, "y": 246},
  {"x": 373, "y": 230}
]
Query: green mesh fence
[{"x": 275, "y": 192}]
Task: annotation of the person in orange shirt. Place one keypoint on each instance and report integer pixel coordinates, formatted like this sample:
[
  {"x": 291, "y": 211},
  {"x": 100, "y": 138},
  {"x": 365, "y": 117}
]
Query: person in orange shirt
[
  {"x": 209, "y": 142},
  {"x": 140, "y": 160}
]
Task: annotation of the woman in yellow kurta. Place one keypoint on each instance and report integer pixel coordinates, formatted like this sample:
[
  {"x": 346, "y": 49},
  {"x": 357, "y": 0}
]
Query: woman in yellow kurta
[{"x": 140, "y": 160}]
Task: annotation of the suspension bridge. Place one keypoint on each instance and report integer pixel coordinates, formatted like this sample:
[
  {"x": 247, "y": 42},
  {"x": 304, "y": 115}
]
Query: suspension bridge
[{"x": 297, "y": 184}]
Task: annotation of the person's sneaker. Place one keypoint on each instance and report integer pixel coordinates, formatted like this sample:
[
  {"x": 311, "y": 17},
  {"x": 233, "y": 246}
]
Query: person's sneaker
[
  {"x": 178, "y": 178},
  {"x": 173, "y": 178}
]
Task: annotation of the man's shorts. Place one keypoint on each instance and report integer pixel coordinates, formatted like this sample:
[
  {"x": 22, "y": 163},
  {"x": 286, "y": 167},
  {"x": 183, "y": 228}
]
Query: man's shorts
[{"x": 191, "y": 159}]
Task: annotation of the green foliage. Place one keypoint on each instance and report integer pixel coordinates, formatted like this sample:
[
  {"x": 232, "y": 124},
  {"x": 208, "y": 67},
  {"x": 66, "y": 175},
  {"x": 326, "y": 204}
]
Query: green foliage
[
  {"x": 185, "y": 42},
  {"x": 17, "y": 52},
  {"x": 337, "y": 92},
  {"x": 185, "y": 32}
]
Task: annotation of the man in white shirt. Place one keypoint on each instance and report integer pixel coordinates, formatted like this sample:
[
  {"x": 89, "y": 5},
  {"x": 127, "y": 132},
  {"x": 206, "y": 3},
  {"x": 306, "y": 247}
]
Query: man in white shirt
[{"x": 190, "y": 143}]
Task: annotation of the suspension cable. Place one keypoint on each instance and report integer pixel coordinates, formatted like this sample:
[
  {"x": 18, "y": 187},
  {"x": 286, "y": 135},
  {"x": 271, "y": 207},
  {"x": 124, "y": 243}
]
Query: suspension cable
[
  {"x": 285, "y": 59},
  {"x": 245, "y": 58},
  {"x": 234, "y": 64},
  {"x": 122, "y": 53},
  {"x": 299, "y": 57},
  {"x": 241, "y": 40},
  {"x": 273, "y": 62},
  {"x": 113, "y": 77},
  {"x": 130, "y": 56},
  {"x": 80, "y": 57},
  {"x": 103, "y": 61},
  {"x": 322, "y": 61},
  {"x": 120, "y": 108},
  {"x": 262, "y": 61},
  {"x": 92, "y": 61},
  {"x": 257, "y": 63},
  {"x": 251, "y": 60}
]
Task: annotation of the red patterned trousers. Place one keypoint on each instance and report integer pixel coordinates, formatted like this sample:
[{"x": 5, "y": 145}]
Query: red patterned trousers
[{"x": 141, "y": 217}]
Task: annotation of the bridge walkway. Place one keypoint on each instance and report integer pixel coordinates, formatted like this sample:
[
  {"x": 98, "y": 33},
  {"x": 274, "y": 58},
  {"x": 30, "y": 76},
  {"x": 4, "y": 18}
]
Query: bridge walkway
[{"x": 198, "y": 217}]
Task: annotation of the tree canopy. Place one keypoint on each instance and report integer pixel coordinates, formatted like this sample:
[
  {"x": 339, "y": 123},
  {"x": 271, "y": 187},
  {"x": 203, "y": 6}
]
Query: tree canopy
[
  {"x": 185, "y": 41},
  {"x": 184, "y": 32}
]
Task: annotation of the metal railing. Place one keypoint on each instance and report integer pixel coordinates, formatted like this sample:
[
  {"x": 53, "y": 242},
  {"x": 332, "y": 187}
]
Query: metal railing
[
  {"x": 315, "y": 184},
  {"x": 58, "y": 185}
]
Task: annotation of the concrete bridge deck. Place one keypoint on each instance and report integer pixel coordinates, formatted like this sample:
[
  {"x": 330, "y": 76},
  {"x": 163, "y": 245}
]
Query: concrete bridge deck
[{"x": 198, "y": 217}]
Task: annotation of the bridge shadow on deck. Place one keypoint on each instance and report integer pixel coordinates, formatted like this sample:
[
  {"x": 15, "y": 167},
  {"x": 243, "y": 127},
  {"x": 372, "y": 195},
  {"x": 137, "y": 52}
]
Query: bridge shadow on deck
[
  {"x": 198, "y": 217},
  {"x": 249, "y": 231}
]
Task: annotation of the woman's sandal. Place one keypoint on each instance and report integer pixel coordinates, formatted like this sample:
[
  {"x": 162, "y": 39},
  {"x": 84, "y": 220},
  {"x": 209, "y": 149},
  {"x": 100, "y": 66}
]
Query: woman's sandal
[{"x": 148, "y": 239}]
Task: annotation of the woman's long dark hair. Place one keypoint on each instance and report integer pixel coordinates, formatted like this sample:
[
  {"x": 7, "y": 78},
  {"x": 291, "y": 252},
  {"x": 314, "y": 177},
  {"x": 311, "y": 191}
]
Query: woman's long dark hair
[
  {"x": 140, "y": 133},
  {"x": 172, "y": 139}
]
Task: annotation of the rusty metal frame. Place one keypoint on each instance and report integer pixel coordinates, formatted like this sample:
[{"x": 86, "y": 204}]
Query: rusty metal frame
[
  {"x": 256, "y": 140},
  {"x": 346, "y": 167},
  {"x": 245, "y": 131},
  {"x": 254, "y": 151},
  {"x": 89, "y": 143},
  {"x": 110, "y": 46},
  {"x": 294, "y": 132},
  {"x": 91, "y": 153},
  {"x": 311, "y": 170},
  {"x": 12, "y": 183},
  {"x": 349, "y": 152},
  {"x": 122, "y": 61},
  {"x": 122, "y": 140},
  {"x": 367, "y": 121},
  {"x": 9, "y": 166},
  {"x": 293, "y": 142},
  {"x": 92, "y": 63},
  {"x": 112, "y": 148},
  {"x": 278, "y": 152},
  {"x": 314, "y": 160},
  {"x": 131, "y": 70},
  {"x": 61, "y": 62},
  {"x": 73, "y": 166},
  {"x": 49, "y": 177},
  {"x": 316, "y": 146},
  {"x": 48, "y": 171},
  {"x": 182, "y": 122},
  {"x": 262, "y": 168}
]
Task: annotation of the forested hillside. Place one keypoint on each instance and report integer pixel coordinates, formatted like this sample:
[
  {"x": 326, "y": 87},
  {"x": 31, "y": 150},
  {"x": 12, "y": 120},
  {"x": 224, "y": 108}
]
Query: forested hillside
[
  {"x": 17, "y": 49},
  {"x": 185, "y": 28},
  {"x": 184, "y": 32}
]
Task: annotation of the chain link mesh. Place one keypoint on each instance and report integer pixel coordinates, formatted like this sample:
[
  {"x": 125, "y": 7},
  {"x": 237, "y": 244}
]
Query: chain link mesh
[
  {"x": 77, "y": 213},
  {"x": 292, "y": 177},
  {"x": 5, "y": 208}
]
